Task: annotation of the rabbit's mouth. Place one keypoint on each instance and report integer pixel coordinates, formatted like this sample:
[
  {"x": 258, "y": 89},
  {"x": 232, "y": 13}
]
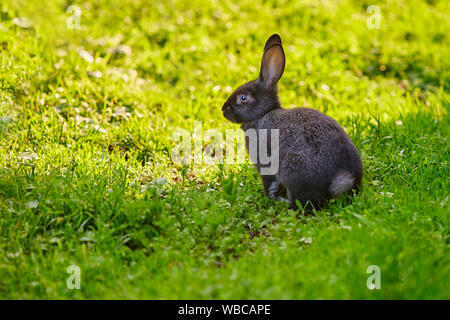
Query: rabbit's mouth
[{"x": 227, "y": 112}]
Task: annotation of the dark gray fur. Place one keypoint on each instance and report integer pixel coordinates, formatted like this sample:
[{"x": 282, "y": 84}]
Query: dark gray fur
[{"x": 317, "y": 159}]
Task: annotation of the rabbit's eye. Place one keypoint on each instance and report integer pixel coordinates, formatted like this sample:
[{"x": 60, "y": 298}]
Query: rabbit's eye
[{"x": 244, "y": 98}]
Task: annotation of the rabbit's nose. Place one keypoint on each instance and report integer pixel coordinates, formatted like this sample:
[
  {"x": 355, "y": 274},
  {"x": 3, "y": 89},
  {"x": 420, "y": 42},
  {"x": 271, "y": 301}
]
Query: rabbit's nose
[{"x": 223, "y": 107}]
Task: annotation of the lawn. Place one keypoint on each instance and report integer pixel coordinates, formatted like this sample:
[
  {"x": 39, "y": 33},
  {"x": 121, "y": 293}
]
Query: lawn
[{"x": 88, "y": 108}]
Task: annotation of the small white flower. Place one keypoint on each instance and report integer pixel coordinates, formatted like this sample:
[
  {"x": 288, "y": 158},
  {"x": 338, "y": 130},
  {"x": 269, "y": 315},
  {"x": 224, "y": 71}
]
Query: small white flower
[
  {"x": 387, "y": 194},
  {"x": 95, "y": 74},
  {"x": 33, "y": 204},
  {"x": 86, "y": 56},
  {"x": 121, "y": 50},
  {"x": 121, "y": 112},
  {"x": 307, "y": 240},
  {"x": 22, "y": 22}
]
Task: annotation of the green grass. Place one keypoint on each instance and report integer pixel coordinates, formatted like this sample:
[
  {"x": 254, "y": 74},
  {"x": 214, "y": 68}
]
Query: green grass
[{"x": 82, "y": 157}]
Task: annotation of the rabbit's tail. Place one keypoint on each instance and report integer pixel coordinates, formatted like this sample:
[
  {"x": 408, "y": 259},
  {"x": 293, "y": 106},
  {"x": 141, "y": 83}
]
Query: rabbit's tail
[{"x": 342, "y": 182}]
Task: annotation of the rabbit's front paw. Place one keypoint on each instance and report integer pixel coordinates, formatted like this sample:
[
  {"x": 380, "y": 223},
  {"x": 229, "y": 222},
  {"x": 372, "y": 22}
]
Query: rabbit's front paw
[{"x": 273, "y": 189}]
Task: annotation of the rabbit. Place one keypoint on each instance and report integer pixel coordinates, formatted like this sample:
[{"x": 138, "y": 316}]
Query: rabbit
[{"x": 317, "y": 159}]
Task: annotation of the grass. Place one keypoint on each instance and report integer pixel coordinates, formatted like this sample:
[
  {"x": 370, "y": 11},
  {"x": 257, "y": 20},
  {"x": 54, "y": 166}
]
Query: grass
[{"x": 86, "y": 176}]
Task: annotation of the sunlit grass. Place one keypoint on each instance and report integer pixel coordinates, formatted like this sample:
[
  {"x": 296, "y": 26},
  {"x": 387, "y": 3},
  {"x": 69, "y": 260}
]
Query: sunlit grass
[{"x": 86, "y": 176}]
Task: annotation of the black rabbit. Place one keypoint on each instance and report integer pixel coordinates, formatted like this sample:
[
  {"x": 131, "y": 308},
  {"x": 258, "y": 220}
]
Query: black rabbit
[{"x": 317, "y": 160}]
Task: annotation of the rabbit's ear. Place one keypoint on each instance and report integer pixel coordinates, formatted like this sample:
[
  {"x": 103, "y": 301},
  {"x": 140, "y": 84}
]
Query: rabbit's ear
[{"x": 273, "y": 61}]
